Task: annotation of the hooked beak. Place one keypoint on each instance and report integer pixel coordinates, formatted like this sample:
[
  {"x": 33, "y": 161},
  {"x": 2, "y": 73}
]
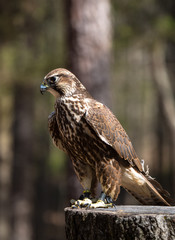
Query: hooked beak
[{"x": 43, "y": 88}]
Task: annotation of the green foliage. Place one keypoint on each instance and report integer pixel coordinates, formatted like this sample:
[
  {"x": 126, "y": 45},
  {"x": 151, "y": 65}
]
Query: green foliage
[
  {"x": 141, "y": 21},
  {"x": 34, "y": 42},
  {"x": 165, "y": 26}
]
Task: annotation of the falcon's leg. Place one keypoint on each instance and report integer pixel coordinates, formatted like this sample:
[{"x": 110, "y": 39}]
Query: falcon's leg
[
  {"x": 86, "y": 194},
  {"x": 104, "y": 201},
  {"x": 109, "y": 174},
  {"x": 107, "y": 199},
  {"x": 88, "y": 180}
]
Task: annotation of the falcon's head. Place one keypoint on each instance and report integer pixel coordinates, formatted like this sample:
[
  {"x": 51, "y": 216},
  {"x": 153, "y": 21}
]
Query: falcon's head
[{"x": 60, "y": 82}]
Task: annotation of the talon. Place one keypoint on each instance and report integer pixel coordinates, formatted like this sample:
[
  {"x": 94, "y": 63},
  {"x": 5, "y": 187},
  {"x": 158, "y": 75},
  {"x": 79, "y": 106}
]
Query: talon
[
  {"x": 103, "y": 202},
  {"x": 73, "y": 206},
  {"x": 78, "y": 203},
  {"x": 83, "y": 203},
  {"x": 88, "y": 206}
]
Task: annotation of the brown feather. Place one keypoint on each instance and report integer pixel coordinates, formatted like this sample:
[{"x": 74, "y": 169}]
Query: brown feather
[
  {"x": 111, "y": 131},
  {"x": 54, "y": 131},
  {"x": 144, "y": 188}
]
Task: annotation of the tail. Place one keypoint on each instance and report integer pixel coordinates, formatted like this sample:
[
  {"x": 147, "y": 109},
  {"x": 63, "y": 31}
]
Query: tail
[
  {"x": 159, "y": 195},
  {"x": 145, "y": 189}
]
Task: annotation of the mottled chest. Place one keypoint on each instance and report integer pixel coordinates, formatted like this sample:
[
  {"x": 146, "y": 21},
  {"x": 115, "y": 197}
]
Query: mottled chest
[
  {"x": 79, "y": 138},
  {"x": 69, "y": 112}
]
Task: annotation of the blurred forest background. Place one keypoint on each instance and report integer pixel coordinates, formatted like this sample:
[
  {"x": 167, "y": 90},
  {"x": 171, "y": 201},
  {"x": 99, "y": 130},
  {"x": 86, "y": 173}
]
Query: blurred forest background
[{"x": 124, "y": 53}]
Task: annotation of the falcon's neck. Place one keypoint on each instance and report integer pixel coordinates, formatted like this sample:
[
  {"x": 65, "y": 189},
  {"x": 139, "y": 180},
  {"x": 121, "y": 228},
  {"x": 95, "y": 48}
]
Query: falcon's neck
[{"x": 74, "y": 106}]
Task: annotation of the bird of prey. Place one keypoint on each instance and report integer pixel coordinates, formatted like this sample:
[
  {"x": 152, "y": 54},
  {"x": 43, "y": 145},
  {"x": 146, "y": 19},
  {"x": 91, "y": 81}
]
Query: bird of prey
[{"x": 97, "y": 144}]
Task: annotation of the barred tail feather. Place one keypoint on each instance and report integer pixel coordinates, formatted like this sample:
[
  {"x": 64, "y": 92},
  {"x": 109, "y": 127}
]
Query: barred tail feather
[
  {"x": 144, "y": 188},
  {"x": 164, "y": 198}
]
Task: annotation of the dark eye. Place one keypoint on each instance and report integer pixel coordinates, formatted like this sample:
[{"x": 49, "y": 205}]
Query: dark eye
[{"x": 53, "y": 79}]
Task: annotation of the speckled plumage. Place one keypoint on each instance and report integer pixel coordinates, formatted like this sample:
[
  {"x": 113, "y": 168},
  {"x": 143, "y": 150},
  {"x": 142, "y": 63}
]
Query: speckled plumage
[{"x": 96, "y": 142}]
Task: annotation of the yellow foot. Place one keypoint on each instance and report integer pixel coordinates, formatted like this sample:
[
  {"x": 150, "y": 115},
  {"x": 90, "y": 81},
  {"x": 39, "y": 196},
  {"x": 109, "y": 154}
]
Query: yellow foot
[
  {"x": 86, "y": 202},
  {"x": 101, "y": 204}
]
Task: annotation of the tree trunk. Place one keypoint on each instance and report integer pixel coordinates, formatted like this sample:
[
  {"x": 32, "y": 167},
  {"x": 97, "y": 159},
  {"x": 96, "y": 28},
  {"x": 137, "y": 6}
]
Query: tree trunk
[
  {"x": 170, "y": 63},
  {"x": 90, "y": 41},
  {"x": 166, "y": 127},
  {"x": 23, "y": 171},
  {"x": 89, "y": 55},
  {"x": 121, "y": 222},
  {"x": 6, "y": 156},
  {"x": 168, "y": 9}
]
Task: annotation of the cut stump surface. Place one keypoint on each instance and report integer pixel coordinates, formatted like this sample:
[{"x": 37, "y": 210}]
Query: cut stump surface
[{"x": 121, "y": 222}]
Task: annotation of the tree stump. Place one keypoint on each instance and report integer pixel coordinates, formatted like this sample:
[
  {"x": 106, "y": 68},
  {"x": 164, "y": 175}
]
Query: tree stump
[{"x": 121, "y": 222}]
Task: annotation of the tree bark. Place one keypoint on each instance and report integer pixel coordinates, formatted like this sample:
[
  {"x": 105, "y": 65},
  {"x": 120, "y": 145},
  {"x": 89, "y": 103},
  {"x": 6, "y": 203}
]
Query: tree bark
[
  {"x": 170, "y": 64},
  {"x": 6, "y": 156},
  {"x": 121, "y": 222},
  {"x": 89, "y": 43},
  {"x": 166, "y": 126},
  {"x": 23, "y": 171}
]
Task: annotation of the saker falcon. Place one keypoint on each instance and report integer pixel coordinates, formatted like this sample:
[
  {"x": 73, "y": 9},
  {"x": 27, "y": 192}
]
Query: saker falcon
[{"x": 97, "y": 144}]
